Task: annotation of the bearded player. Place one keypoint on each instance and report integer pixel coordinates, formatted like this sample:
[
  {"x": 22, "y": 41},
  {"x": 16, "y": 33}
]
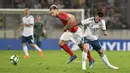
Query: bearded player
[{"x": 74, "y": 34}]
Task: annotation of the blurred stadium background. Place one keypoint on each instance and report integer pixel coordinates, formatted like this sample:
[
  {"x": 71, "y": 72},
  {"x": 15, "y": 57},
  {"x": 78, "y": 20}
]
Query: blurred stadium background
[{"x": 117, "y": 16}]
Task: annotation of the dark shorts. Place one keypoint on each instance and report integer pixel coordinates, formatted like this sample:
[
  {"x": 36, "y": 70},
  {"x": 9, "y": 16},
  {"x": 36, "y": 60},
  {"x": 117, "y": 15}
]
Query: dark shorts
[
  {"x": 95, "y": 44},
  {"x": 29, "y": 39}
]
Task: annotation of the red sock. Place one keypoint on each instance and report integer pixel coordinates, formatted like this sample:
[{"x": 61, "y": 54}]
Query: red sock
[
  {"x": 67, "y": 49},
  {"x": 89, "y": 56}
]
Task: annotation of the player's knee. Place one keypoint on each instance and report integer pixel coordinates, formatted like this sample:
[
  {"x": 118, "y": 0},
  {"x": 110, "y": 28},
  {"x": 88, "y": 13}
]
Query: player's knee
[
  {"x": 81, "y": 47},
  {"x": 32, "y": 45},
  {"x": 85, "y": 47},
  {"x": 100, "y": 52},
  {"x": 61, "y": 43},
  {"x": 23, "y": 44}
]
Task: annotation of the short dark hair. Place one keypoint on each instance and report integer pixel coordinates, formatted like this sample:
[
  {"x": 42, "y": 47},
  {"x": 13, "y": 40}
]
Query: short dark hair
[
  {"x": 100, "y": 14},
  {"x": 54, "y": 7}
]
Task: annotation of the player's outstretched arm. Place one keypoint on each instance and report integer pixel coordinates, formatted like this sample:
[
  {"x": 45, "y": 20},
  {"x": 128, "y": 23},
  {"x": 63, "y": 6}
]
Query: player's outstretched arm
[
  {"x": 28, "y": 25},
  {"x": 103, "y": 26},
  {"x": 105, "y": 32},
  {"x": 79, "y": 24},
  {"x": 68, "y": 24},
  {"x": 20, "y": 28},
  {"x": 83, "y": 22}
]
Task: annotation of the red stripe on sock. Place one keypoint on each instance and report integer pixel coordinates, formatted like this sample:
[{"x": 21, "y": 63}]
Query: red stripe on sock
[
  {"x": 67, "y": 49},
  {"x": 89, "y": 56}
]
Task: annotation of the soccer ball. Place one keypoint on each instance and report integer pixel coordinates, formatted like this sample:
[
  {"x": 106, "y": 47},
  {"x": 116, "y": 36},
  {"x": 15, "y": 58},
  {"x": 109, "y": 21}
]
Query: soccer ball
[{"x": 14, "y": 59}]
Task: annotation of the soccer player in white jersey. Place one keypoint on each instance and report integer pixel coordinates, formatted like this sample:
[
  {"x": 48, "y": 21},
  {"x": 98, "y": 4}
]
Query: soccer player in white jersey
[
  {"x": 92, "y": 27},
  {"x": 27, "y": 33}
]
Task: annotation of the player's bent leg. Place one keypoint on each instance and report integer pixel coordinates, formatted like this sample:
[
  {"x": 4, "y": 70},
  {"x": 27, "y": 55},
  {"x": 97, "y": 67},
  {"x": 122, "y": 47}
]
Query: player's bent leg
[
  {"x": 91, "y": 60},
  {"x": 65, "y": 47},
  {"x": 105, "y": 59},
  {"x": 86, "y": 54},
  {"x": 36, "y": 38},
  {"x": 95, "y": 44},
  {"x": 84, "y": 58},
  {"x": 67, "y": 36},
  {"x": 25, "y": 49},
  {"x": 81, "y": 47},
  {"x": 32, "y": 45},
  {"x": 37, "y": 48}
]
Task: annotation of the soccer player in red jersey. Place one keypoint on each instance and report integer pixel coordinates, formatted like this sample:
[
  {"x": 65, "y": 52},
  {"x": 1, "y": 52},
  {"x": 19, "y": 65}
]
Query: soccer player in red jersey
[{"x": 74, "y": 33}]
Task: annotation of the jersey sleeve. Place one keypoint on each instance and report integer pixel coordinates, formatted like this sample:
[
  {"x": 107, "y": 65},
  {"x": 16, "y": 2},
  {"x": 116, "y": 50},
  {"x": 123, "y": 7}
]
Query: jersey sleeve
[
  {"x": 63, "y": 16},
  {"x": 103, "y": 26},
  {"x": 31, "y": 20},
  {"x": 22, "y": 20},
  {"x": 86, "y": 22}
]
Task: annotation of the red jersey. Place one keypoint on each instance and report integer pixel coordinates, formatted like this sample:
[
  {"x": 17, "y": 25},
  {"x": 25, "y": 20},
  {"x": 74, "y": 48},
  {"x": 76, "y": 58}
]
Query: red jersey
[{"x": 63, "y": 16}]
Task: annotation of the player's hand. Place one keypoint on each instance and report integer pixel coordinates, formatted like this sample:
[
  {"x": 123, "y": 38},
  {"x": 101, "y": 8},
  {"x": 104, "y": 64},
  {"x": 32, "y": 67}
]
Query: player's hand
[
  {"x": 105, "y": 33},
  {"x": 21, "y": 27},
  {"x": 65, "y": 29},
  {"x": 18, "y": 30},
  {"x": 22, "y": 24},
  {"x": 42, "y": 34},
  {"x": 28, "y": 25}
]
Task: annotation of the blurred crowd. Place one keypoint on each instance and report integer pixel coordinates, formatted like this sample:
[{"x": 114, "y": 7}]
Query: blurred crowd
[
  {"x": 47, "y": 3},
  {"x": 114, "y": 10}
]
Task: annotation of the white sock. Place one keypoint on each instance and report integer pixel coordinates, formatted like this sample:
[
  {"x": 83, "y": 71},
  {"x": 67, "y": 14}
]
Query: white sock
[
  {"x": 36, "y": 47},
  {"x": 84, "y": 57},
  {"x": 105, "y": 60},
  {"x": 25, "y": 49}
]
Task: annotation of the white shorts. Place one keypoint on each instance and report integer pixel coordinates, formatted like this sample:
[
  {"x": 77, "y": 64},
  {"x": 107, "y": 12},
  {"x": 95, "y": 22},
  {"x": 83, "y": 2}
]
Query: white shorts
[{"x": 74, "y": 37}]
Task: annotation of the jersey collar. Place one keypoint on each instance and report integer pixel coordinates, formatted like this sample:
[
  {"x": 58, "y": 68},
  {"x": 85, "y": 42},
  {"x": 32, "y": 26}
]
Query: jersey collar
[
  {"x": 27, "y": 16},
  {"x": 95, "y": 20}
]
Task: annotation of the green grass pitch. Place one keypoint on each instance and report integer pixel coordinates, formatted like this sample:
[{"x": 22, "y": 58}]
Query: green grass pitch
[{"x": 54, "y": 61}]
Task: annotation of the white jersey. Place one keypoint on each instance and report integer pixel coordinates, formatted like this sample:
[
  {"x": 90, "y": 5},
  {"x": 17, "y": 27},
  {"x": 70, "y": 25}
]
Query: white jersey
[
  {"x": 28, "y": 30},
  {"x": 92, "y": 29}
]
